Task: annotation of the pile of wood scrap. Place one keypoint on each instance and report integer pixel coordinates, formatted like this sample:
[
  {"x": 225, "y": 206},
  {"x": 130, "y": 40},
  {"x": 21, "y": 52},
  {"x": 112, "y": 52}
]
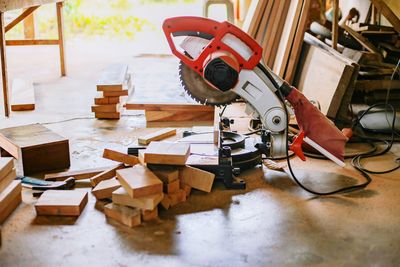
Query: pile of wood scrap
[
  {"x": 279, "y": 27},
  {"x": 10, "y": 189},
  {"x": 113, "y": 88}
]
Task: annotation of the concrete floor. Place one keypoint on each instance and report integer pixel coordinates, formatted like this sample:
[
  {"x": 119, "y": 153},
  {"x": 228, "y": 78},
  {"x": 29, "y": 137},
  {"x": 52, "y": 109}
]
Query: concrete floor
[{"x": 271, "y": 223}]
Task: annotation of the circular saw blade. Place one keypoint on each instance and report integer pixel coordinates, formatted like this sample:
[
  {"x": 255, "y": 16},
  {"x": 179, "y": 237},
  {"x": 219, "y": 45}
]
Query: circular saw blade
[{"x": 200, "y": 90}]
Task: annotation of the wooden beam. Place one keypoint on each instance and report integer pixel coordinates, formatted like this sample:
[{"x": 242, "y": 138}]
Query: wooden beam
[
  {"x": 60, "y": 27},
  {"x": 361, "y": 39},
  {"x": 4, "y": 65},
  {"x": 387, "y": 13},
  {"x": 168, "y": 107},
  {"x": 335, "y": 22},
  {"x": 32, "y": 42},
  {"x": 20, "y": 18},
  {"x": 29, "y": 27}
]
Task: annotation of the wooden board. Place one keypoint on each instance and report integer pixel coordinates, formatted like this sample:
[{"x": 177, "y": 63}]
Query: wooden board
[
  {"x": 120, "y": 157},
  {"x": 6, "y": 165},
  {"x": 149, "y": 215},
  {"x": 156, "y": 136},
  {"x": 105, "y": 175},
  {"x": 172, "y": 187},
  {"x": 384, "y": 9},
  {"x": 139, "y": 181},
  {"x": 61, "y": 202},
  {"x": 22, "y": 95},
  {"x": 6, "y": 181},
  {"x": 177, "y": 197},
  {"x": 361, "y": 39},
  {"x": 120, "y": 196},
  {"x": 254, "y": 16},
  {"x": 373, "y": 85},
  {"x": 113, "y": 78},
  {"x": 107, "y": 115},
  {"x": 113, "y": 108},
  {"x": 124, "y": 215},
  {"x": 104, "y": 100},
  {"x": 77, "y": 174},
  {"x": 166, "y": 174},
  {"x": 10, "y": 198},
  {"x": 197, "y": 178},
  {"x": 167, "y": 153},
  {"x": 105, "y": 188},
  {"x": 124, "y": 92},
  {"x": 37, "y": 148}
]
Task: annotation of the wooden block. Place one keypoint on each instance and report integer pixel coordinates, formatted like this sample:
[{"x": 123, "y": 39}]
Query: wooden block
[
  {"x": 100, "y": 99},
  {"x": 149, "y": 215},
  {"x": 141, "y": 157},
  {"x": 165, "y": 202},
  {"x": 167, "y": 153},
  {"x": 186, "y": 188},
  {"x": 124, "y": 215},
  {"x": 10, "y": 198},
  {"x": 61, "y": 202},
  {"x": 6, "y": 165},
  {"x": 120, "y": 196},
  {"x": 112, "y": 78},
  {"x": 107, "y": 115},
  {"x": 105, "y": 175},
  {"x": 37, "y": 148},
  {"x": 156, "y": 136},
  {"x": 22, "y": 96},
  {"x": 77, "y": 174},
  {"x": 139, "y": 181},
  {"x": 110, "y": 108},
  {"x": 197, "y": 178},
  {"x": 120, "y": 157},
  {"x": 105, "y": 188},
  {"x": 176, "y": 198},
  {"x": 166, "y": 174},
  {"x": 6, "y": 181},
  {"x": 172, "y": 187},
  {"x": 116, "y": 94}
]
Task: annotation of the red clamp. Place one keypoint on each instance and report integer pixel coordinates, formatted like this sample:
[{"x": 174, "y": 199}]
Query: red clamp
[{"x": 296, "y": 146}]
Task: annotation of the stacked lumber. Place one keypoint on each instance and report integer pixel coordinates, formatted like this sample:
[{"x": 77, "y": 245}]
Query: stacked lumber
[
  {"x": 10, "y": 189},
  {"x": 36, "y": 148},
  {"x": 113, "y": 88},
  {"x": 279, "y": 27}
]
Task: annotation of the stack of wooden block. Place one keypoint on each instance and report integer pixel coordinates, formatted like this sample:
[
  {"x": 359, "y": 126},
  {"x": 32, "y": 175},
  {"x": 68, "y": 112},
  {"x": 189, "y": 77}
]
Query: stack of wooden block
[
  {"x": 113, "y": 88},
  {"x": 10, "y": 189}
]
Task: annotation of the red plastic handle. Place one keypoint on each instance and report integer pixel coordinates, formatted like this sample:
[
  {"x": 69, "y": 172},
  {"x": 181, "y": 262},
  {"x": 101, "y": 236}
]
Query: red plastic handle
[
  {"x": 216, "y": 29},
  {"x": 296, "y": 146}
]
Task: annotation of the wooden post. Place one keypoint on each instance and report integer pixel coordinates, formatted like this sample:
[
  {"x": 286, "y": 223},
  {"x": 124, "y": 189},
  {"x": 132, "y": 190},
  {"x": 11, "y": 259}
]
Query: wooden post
[
  {"x": 335, "y": 24},
  {"x": 60, "y": 26},
  {"x": 4, "y": 65},
  {"x": 29, "y": 27}
]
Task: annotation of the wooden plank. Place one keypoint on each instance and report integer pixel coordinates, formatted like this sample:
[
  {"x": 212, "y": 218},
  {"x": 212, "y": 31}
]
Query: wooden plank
[
  {"x": 139, "y": 181},
  {"x": 32, "y": 42},
  {"x": 104, "y": 100},
  {"x": 22, "y": 95},
  {"x": 265, "y": 19},
  {"x": 121, "y": 196},
  {"x": 113, "y": 108},
  {"x": 254, "y": 16},
  {"x": 271, "y": 27},
  {"x": 335, "y": 22},
  {"x": 286, "y": 40},
  {"x": 6, "y": 180},
  {"x": 10, "y": 198},
  {"x": 124, "y": 215},
  {"x": 167, "y": 153},
  {"x": 107, "y": 115},
  {"x": 77, "y": 174},
  {"x": 297, "y": 42},
  {"x": 60, "y": 31},
  {"x": 20, "y": 18},
  {"x": 176, "y": 198},
  {"x": 384, "y": 9},
  {"x": 373, "y": 85},
  {"x": 61, "y": 202},
  {"x": 105, "y": 188},
  {"x": 168, "y": 107},
  {"x": 197, "y": 178},
  {"x": 124, "y": 92},
  {"x": 361, "y": 39},
  {"x": 105, "y": 175},
  {"x": 3, "y": 61},
  {"x": 166, "y": 174},
  {"x": 29, "y": 27},
  {"x": 6, "y": 5},
  {"x": 149, "y": 215},
  {"x": 156, "y": 136},
  {"x": 120, "y": 157},
  {"x": 113, "y": 78},
  {"x": 6, "y": 165},
  {"x": 37, "y": 148},
  {"x": 172, "y": 187}
]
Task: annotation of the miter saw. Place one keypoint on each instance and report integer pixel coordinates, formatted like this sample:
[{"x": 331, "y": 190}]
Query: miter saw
[{"x": 220, "y": 63}]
